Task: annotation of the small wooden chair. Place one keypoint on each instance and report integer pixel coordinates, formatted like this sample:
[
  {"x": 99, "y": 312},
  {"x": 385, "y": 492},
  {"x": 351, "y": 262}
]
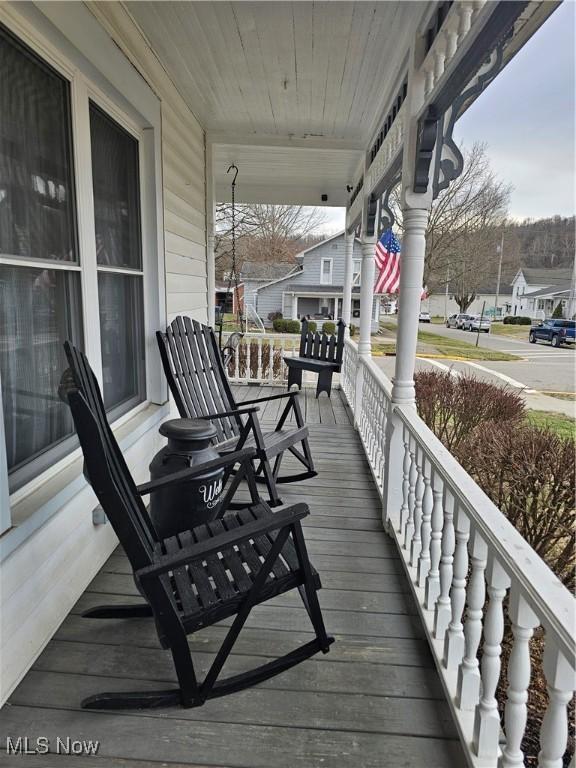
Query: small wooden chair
[
  {"x": 198, "y": 382},
  {"x": 201, "y": 576},
  {"x": 319, "y": 353}
]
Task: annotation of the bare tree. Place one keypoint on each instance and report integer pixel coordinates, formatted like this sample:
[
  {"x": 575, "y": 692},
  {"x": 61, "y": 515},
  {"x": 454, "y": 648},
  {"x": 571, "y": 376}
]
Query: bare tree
[
  {"x": 463, "y": 229},
  {"x": 267, "y": 233}
]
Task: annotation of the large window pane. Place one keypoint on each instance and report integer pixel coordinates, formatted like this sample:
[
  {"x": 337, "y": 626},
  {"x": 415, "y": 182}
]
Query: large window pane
[
  {"x": 39, "y": 310},
  {"x": 36, "y": 188},
  {"x": 122, "y": 339},
  {"x": 116, "y": 192}
]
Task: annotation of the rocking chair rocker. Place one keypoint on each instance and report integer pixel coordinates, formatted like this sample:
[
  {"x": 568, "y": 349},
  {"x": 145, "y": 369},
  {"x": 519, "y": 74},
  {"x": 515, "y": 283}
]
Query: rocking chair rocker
[
  {"x": 201, "y": 576},
  {"x": 199, "y": 385}
]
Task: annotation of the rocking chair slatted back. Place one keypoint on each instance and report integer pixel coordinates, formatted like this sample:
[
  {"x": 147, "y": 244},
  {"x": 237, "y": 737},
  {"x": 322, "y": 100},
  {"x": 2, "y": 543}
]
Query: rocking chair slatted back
[
  {"x": 196, "y": 374},
  {"x": 105, "y": 467},
  {"x": 321, "y": 346}
]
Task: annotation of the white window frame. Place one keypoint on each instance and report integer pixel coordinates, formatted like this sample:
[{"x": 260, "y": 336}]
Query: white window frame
[
  {"x": 327, "y": 281},
  {"x": 137, "y": 110},
  {"x": 356, "y": 272}
]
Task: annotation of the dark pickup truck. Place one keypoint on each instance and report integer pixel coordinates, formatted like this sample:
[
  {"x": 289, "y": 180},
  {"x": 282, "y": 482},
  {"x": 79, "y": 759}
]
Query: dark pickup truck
[{"x": 557, "y": 332}]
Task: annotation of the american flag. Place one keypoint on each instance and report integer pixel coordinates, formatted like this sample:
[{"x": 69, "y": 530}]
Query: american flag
[{"x": 388, "y": 262}]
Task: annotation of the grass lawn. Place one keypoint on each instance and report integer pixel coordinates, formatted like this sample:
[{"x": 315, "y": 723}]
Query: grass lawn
[
  {"x": 514, "y": 331},
  {"x": 570, "y": 396},
  {"x": 562, "y": 425},
  {"x": 448, "y": 347}
]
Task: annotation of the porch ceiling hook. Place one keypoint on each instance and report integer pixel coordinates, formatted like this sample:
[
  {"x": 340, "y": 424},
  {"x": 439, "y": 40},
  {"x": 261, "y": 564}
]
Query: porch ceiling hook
[{"x": 233, "y": 267}]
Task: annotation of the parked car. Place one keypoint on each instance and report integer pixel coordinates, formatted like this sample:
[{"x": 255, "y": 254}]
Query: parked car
[
  {"x": 557, "y": 332},
  {"x": 476, "y": 323},
  {"x": 456, "y": 321},
  {"x": 424, "y": 317}
]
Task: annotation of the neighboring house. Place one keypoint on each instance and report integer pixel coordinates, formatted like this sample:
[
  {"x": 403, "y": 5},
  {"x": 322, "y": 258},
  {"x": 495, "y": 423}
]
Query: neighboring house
[
  {"x": 536, "y": 292},
  {"x": 315, "y": 288},
  {"x": 254, "y": 274},
  {"x": 440, "y": 306}
]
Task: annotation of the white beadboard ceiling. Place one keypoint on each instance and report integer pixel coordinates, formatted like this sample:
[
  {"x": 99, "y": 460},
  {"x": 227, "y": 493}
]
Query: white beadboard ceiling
[{"x": 298, "y": 75}]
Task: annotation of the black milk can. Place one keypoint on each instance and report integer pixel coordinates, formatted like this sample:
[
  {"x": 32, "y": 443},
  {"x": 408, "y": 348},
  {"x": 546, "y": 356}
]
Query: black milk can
[{"x": 182, "y": 506}]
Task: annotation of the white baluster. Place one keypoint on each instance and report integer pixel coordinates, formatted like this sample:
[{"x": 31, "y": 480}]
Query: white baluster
[
  {"x": 418, "y": 496},
  {"x": 405, "y": 480},
  {"x": 451, "y": 43},
  {"x": 516, "y": 712},
  {"x": 413, "y": 476},
  {"x": 560, "y": 680},
  {"x": 487, "y": 718},
  {"x": 443, "y": 605},
  {"x": 469, "y": 671},
  {"x": 427, "y": 503},
  {"x": 283, "y": 374},
  {"x": 439, "y": 57},
  {"x": 237, "y": 362},
  {"x": 259, "y": 362},
  {"x": 433, "y": 578},
  {"x": 271, "y": 360},
  {"x": 454, "y": 637},
  {"x": 465, "y": 10},
  {"x": 428, "y": 77}
]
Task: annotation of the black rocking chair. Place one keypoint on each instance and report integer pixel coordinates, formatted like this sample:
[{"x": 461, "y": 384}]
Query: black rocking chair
[
  {"x": 200, "y": 387},
  {"x": 201, "y": 576}
]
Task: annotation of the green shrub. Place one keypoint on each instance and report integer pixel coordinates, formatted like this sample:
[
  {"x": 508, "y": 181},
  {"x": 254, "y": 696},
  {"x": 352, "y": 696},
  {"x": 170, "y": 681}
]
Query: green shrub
[
  {"x": 352, "y": 329},
  {"x": 275, "y": 316},
  {"x": 292, "y": 326},
  {"x": 279, "y": 325},
  {"x": 312, "y": 326},
  {"x": 558, "y": 312},
  {"x": 329, "y": 327},
  {"x": 517, "y": 320}
]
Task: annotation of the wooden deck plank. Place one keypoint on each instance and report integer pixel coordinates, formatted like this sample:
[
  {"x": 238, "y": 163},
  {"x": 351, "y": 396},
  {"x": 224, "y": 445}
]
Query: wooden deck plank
[
  {"x": 374, "y": 701},
  {"x": 261, "y": 706},
  {"x": 151, "y": 738}
]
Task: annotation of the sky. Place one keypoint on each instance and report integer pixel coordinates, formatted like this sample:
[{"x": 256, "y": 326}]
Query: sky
[{"x": 526, "y": 118}]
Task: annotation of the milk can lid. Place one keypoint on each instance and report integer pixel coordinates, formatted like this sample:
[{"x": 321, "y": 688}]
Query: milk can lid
[{"x": 188, "y": 429}]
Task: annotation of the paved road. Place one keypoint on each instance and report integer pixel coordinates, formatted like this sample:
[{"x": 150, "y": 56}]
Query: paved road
[{"x": 542, "y": 367}]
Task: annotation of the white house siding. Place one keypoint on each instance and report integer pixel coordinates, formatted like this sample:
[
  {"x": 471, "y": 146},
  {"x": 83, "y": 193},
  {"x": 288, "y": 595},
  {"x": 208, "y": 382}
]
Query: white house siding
[
  {"x": 250, "y": 295},
  {"x": 334, "y": 249},
  {"x": 436, "y": 304},
  {"x": 184, "y": 171},
  {"x": 54, "y": 549}
]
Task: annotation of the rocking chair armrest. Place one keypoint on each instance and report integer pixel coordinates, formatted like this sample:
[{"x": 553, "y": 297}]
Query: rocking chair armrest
[
  {"x": 293, "y": 393},
  {"x": 227, "y": 414},
  {"x": 203, "y": 549},
  {"x": 226, "y": 460}
]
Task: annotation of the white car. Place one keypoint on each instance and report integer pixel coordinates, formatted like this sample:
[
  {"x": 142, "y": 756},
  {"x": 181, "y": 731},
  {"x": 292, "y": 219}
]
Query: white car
[
  {"x": 456, "y": 321},
  {"x": 474, "y": 323},
  {"x": 424, "y": 317}
]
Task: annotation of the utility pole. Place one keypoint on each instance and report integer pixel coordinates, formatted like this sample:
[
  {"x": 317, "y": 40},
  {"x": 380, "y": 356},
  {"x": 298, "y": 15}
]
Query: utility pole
[
  {"x": 500, "y": 251},
  {"x": 446, "y": 293},
  {"x": 571, "y": 308}
]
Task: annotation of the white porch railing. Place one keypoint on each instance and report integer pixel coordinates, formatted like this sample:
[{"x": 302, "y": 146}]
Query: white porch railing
[
  {"x": 458, "y": 549},
  {"x": 259, "y": 359}
]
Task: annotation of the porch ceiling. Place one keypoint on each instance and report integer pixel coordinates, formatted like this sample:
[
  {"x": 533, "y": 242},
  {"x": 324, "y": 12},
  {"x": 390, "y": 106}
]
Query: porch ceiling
[{"x": 299, "y": 86}]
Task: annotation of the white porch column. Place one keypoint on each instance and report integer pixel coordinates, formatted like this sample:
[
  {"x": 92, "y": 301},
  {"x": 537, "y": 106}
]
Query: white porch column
[
  {"x": 366, "y": 294},
  {"x": 210, "y": 219},
  {"x": 294, "y": 307},
  {"x": 411, "y": 276},
  {"x": 348, "y": 274}
]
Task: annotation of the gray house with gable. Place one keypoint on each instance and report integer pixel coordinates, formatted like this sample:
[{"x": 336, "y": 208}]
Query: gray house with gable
[{"x": 314, "y": 288}]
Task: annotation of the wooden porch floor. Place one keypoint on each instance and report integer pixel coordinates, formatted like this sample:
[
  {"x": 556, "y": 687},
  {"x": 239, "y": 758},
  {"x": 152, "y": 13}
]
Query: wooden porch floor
[{"x": 374, "y": 701}]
